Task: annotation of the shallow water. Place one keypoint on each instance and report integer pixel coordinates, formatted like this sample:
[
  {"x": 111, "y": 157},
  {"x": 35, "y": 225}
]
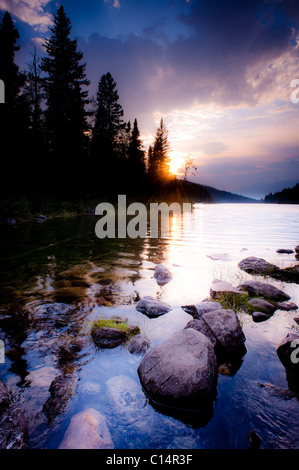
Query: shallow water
[{"x": 34, "y": 254}]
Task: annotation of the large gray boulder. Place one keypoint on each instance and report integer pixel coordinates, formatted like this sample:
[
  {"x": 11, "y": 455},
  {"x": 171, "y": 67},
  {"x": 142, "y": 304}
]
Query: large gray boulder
[
  {"x": 181, "y": 372},
  {"x": 200, "y": 325},
  {"x": 162, "y": 275},
  {"x": 222, "y": 288},
  {"x": 261, "y": 289},
  {"x": 226, "y": 328},
  {"x": 198, "y": 310},
  {"x": 87, "y": 430},
  {"x": 152, "y": 307}
]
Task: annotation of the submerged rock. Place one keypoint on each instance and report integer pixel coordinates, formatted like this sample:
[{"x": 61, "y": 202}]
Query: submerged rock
[
  {"x": 181, "y": 372},
  {"x": 296, "y": 249},
  {"x": 162, "y": 275},
  {"x": 41, "y": 218},
  {"x": 152, "y": 307},
  {"x": 70, "y": 293},
  {"x": 5, "y": 397},
  {"x": 278, "y": 392},
  {"x": 13, "y": 429},
  {"x": 261, "y": 289},
  {"x": 87, "y": 430},
  {"x": 198, "y": 310},
  {"x": 219, "y": 257},
  {"x": 60, "y": 390},
  {"x": 284, "y": 251},
  {"x": 262, "y": 305},
  {"x": 220, "y": 288},
  {"x": 139, "y": 344}
]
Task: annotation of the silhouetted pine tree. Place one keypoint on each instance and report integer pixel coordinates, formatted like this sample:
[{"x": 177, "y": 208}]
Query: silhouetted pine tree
[
  {"x": 14, "y": 113},
  {"x": 136, "y": 156},
  {"x": 159, "y": 158},
  {"x": 108, "y": 134},
  {"x": 66, "y": 117}
]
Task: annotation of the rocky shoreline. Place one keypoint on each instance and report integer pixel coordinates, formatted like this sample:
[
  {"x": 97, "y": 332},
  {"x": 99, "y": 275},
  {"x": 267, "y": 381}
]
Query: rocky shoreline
[{"x": 181, "y": 373}]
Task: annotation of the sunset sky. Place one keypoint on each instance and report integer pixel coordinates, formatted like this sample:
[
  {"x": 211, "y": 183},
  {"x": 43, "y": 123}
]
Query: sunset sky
[{"x": 219, "y": 72}]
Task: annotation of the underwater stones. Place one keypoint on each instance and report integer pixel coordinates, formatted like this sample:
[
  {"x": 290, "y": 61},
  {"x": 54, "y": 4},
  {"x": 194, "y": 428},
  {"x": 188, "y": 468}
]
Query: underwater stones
[
  {"x": 60, "y": 390},
  {"x": 69, "y": 293},
  {"x": 162, "y": 275},
  {"x": 181, "y": 372},
  {"x": 261, "y": 289},
  {"x": 13, "y": 429},
  {"x": 220, "y": 288},
  {"x": 220, "y": 257},
  {"x": 152, "y": 307},
  {"x": 5, "y": 397},
  {"x": 284, "y": 251},
  {"x": 139, "y": 344},
  {"x": 40, "y": 218},
  {"x": 87, "y": 430}
]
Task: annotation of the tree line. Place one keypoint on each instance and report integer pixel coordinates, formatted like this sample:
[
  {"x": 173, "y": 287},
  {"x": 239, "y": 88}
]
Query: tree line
[{"x": 54, "y": 140}]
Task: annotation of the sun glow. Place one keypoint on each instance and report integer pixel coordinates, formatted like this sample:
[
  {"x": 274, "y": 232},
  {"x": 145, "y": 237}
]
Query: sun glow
[{"x": 176, "y": 164}]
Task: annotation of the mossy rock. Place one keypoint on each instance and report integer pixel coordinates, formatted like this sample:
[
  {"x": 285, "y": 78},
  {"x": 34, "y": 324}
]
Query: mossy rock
[{"x": 110, "y": 333}]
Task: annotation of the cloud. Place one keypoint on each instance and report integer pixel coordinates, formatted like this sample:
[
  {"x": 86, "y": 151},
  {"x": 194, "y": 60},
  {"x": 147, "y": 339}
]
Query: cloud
[
  {"x": 29, "y": 11},
  {"x": 115, "y": 4},
  {"x": 212, "y": 148}
]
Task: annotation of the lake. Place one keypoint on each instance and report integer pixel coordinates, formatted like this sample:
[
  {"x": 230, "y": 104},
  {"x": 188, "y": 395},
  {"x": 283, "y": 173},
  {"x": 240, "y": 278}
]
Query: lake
[{"x": 33, "y": 256}]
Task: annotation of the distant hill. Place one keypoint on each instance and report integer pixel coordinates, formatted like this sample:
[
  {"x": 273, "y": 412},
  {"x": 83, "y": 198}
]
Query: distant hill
[
  {"x": 180, "y": 190},
  {"x": 286, "y": 196},
  {"x": 219, "y": 196}
]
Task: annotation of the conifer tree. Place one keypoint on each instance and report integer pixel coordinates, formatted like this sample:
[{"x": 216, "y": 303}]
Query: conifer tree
[
  {"x": 14, "y": 113},
  {"x": 66, "y": 98},
  {"x": 160, "y": 158},
  {"x": 136, "y": 154},
  {"x": 108, "y": 130}
]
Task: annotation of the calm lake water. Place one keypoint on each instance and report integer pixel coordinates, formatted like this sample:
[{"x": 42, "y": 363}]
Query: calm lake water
[{"x": 33, "y": 255}]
